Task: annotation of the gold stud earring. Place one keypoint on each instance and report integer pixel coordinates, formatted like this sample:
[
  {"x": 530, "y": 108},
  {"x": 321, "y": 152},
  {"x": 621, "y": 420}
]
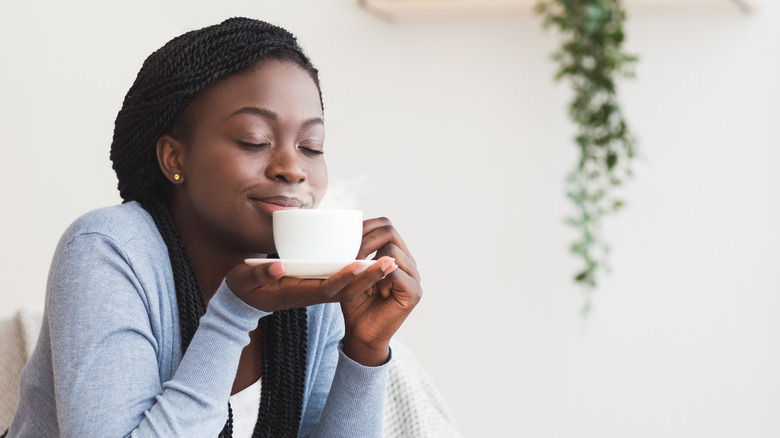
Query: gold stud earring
[{"x": 176, "y": 176}]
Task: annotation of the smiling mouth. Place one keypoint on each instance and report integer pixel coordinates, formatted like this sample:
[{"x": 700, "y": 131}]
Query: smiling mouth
[{"x": 270, "y": 205}]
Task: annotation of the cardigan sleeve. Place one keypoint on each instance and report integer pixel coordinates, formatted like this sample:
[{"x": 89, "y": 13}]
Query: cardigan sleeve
[
  {"x": 346, "y": 398},
  {"x": 104, "y": 351}
]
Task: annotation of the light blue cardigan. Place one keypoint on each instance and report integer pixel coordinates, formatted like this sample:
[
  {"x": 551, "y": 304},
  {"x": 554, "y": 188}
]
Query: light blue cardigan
[{"x": 108, "y": 361}]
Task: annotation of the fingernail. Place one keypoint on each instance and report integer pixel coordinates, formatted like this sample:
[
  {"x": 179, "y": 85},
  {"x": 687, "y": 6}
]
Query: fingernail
[
  {"x": 276, "y": 269},
  {"x": 387, "y": 271},
  {"x": 391, "y": 269},
  {"x": 387, "y": 263},
  {"x": 360, "y": 268}
]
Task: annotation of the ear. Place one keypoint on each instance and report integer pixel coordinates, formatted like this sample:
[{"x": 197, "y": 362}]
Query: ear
[{"x": 170, "y": 154}]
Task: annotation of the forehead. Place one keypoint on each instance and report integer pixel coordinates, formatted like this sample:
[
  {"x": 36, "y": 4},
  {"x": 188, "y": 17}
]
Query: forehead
[{"x": 282, "y": 87}]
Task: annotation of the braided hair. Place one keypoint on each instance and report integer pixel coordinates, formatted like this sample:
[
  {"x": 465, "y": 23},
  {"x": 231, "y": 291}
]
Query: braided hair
[{"x": 169, "y": 80}]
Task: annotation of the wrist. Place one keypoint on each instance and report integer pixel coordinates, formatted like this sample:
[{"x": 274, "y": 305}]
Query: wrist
[{"x": 366, "y": 354}]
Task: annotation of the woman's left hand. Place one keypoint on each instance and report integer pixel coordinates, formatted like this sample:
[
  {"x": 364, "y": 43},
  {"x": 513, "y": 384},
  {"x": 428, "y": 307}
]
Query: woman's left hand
[{"x": 372, "y": 318}]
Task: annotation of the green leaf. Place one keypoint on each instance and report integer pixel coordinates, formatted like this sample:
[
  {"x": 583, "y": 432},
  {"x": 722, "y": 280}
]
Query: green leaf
[
  {"x": 582, "y": 276},
  {"x": 577, "y": 223},
  {"x": 590, "y": 58},
  {"x": 612, "y": 160}
]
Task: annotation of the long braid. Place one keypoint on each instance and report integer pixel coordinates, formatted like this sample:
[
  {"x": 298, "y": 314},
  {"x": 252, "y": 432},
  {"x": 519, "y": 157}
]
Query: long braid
[
  {"x": 189, "y": 295},
  {"x": 227, "y": 430},
  {"x": 283, "y": 339},
  {"x": 169, "y": 80},
  {"x": 279, "y": 335}
]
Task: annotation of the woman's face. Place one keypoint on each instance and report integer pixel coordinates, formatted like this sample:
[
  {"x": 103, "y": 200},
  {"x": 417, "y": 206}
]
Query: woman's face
[{"x": 255, "y": 146}]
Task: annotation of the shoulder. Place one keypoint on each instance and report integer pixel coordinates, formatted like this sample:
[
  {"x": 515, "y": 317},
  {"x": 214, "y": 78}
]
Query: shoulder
[
  {"x": 110, "y": 258},
  {"x": 122, "y": 232},
  {"x": 121, "y": 223}
]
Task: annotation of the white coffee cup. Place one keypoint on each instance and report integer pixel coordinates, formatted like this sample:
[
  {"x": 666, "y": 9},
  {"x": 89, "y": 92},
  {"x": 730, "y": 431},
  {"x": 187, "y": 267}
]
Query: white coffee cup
[{"x": 322, "y": 235}]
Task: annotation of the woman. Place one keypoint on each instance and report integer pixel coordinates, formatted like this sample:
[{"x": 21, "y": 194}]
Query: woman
[{"x": 151, "y": 322}]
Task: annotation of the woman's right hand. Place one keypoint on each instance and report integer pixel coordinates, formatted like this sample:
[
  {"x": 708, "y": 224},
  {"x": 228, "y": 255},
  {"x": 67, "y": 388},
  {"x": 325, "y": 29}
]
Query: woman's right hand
[{"x": 266, "y": 288}]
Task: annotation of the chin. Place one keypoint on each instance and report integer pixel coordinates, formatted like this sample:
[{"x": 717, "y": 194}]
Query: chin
[
  {"x": 255, "y": 246},
  {"x": 263, "y": 249}
]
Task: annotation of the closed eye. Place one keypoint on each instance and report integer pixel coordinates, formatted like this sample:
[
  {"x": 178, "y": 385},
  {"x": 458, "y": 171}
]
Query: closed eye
[
  {"x": 310, "y": 151},
  {"x": 311, "y": 148},
  {"x": 249, "y": 145}
]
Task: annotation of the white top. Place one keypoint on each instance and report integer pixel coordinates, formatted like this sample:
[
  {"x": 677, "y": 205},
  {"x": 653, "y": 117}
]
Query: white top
[{"x": 245, "y": 405}]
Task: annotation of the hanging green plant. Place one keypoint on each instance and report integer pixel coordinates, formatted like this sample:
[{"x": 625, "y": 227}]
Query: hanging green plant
[{"x": 590, "y": 57}]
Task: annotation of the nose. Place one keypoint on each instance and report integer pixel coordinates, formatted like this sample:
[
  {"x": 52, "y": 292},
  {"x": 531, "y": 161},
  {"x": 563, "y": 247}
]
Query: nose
[{"x": 285, "y": 166}]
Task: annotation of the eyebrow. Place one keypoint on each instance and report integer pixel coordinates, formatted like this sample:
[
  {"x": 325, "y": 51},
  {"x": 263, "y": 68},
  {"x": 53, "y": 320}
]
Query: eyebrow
[{"x": 270, "y": 115}]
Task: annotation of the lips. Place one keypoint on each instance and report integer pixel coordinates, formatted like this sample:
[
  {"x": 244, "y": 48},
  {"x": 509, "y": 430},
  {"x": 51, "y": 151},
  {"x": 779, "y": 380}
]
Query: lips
[{"x": 270, "y": 205}]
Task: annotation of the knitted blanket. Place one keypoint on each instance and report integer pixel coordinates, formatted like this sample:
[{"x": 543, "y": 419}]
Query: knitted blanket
[{"x": 413, "y": 405}]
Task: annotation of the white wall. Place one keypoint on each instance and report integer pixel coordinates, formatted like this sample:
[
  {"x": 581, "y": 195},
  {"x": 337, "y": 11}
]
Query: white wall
[{"x": 454, "y": 129}]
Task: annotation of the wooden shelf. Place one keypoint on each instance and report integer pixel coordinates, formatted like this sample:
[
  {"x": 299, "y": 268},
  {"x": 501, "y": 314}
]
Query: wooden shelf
[{"x": 400, "y": 9}]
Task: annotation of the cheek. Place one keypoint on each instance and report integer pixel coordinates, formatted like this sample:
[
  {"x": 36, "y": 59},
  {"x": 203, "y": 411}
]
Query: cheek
[
  {"x": 318, "y": 179},
  {"x": 219, "y": 175}
]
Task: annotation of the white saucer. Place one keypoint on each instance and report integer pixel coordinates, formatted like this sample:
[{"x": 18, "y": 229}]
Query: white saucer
[{"x": 313, "y": 269}]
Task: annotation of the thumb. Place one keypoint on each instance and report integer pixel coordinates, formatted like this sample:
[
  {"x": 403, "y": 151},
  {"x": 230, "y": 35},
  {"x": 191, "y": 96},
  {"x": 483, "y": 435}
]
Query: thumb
[{"x": 245, "y": 278}]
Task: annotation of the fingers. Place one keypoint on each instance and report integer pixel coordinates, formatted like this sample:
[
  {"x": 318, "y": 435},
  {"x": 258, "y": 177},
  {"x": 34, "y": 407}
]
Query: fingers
[
  {"x": 357, "y": 278},
  {"x": 405, "y": 261},
  {"x": 406, "y": 278},
  {"x": 378, "y": 233},
  {"x": 245, "y": 277},
  {"x": 381, "y": 237},
  {"x": 345, "y": 285},
  {"x": 265, "y": 287},
  {"x": 403, "y": 287}
]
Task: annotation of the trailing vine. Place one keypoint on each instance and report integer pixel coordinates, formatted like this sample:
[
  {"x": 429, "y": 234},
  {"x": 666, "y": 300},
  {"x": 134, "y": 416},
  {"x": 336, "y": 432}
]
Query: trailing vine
[{"x": 590, "y": 57}]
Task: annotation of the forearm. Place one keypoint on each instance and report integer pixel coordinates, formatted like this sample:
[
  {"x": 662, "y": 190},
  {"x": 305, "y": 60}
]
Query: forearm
[
  {"x": 354, "y": 407},
  {"x": 198, "y": 393},
  {"x": 108, "y": 378}
]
